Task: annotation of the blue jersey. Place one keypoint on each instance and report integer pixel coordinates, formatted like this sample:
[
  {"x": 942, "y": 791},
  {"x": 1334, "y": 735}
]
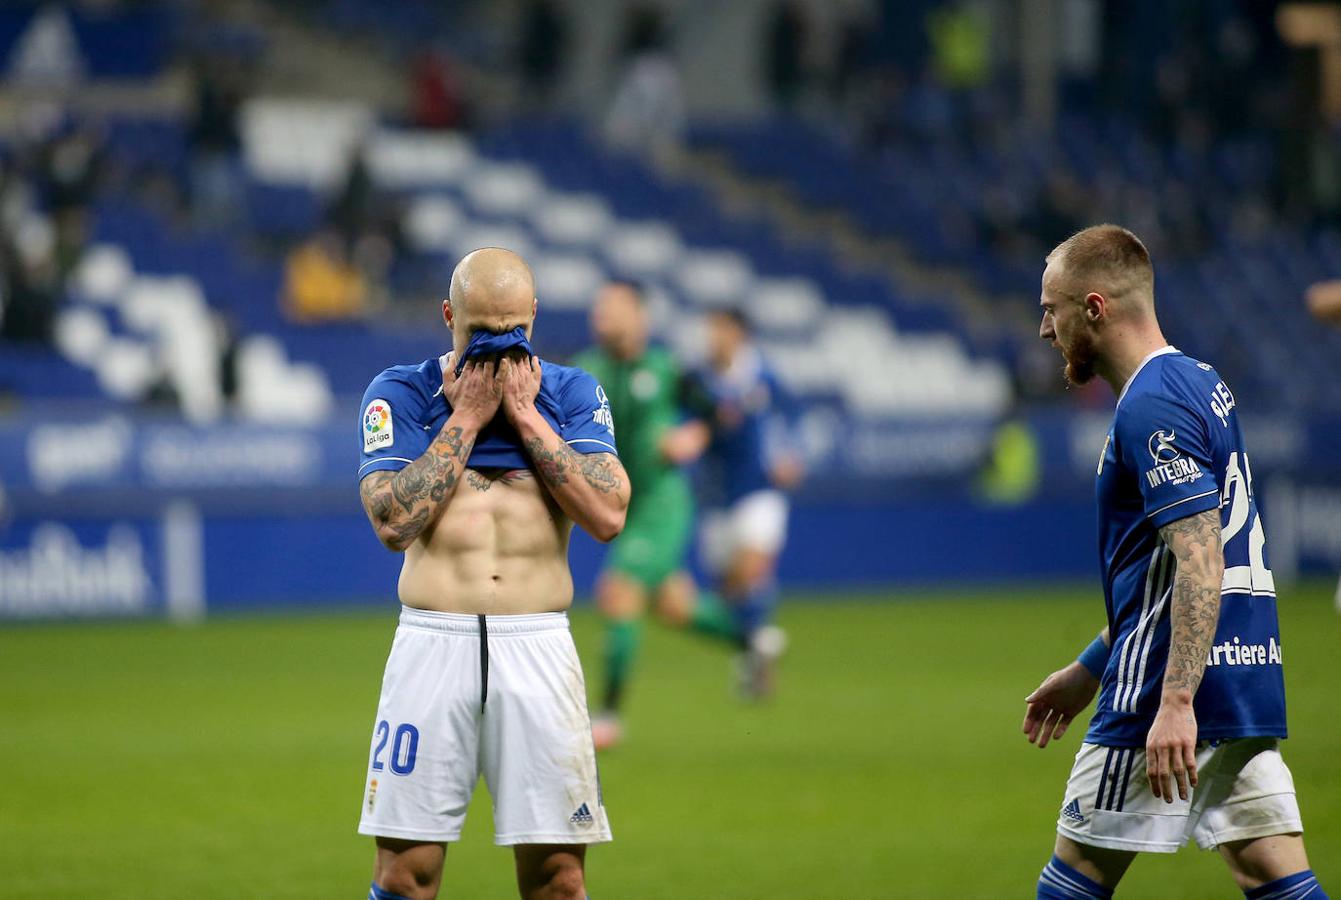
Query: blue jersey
[
  {"x": 753, "y": 424},
  {"x": 404, "y": 409},
  {"x": 1175, "y": 449}
]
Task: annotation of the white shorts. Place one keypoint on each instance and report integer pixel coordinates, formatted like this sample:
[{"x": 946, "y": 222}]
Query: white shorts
[
  {"x": 1244, "y": 791},
  {"x": 757, "y": 521},
  {"x": 512, "y": 707}
]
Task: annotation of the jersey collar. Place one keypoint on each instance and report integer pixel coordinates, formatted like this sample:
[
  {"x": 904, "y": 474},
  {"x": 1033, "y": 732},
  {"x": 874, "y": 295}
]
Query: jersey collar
[
  {"x": 1167, "y": 348},
  {"x": 444, "y": 363}
]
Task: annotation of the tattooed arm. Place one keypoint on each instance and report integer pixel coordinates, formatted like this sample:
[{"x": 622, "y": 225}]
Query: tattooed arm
[
  {"x": 1194, "y": 612},
  {"x": 591, "y": 488},
  {"x": 402, "y": 505},
  {"x": 1195, "y": 604}
]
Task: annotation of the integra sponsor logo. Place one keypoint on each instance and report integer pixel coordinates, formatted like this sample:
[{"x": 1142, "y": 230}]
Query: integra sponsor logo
[
  {"x": 1179, "y": 471},
  {"x": 1237, "y": 653}
]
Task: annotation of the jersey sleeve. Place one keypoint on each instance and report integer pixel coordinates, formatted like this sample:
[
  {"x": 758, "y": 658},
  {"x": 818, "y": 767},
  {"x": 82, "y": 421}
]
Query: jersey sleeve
[
  {"x": 782, "y": 428},
  {"x": 1167, "y": 445},
  {"x": 390, "y": 432},
  {"x": 588, "y": 426}
]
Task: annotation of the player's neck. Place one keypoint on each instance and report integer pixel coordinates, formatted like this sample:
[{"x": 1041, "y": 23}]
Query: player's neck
[
  {"x": 1128, "y": 350},
  {"x": 631, "y": 352}
]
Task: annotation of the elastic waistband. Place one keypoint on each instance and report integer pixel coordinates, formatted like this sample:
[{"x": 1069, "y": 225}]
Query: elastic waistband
[{"x": 465, "y": 623}]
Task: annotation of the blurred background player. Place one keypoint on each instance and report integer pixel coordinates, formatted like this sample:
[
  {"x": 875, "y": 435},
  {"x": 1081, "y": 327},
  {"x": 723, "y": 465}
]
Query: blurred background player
[
  {"x": 750, "y": 465},
  {"x": 1185, "y": 742},
  {"x": 644, "y": 385}
]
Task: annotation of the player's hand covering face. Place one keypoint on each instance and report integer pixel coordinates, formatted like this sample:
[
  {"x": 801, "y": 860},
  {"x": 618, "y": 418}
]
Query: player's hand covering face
[
  {"x": 1061, "y": 697},
  {"x": 520, "y": 381},
  {"x": 475, "y": 393}
]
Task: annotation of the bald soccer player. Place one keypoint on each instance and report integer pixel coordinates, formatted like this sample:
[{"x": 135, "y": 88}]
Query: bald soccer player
[
  {"x": 1185, "y": 742},
  {"x": 475, "y": 465}
]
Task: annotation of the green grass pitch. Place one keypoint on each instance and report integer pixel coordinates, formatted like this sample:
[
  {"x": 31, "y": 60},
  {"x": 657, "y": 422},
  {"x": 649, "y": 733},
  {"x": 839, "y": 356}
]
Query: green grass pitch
[{"x": 145, "y": 760}]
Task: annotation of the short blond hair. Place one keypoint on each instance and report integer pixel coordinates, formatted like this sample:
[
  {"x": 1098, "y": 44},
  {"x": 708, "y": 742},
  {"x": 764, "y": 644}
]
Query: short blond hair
[{"x": 1106, "y": 259}]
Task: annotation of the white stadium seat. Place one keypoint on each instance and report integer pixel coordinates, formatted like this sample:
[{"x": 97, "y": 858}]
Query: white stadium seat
[
  {"x": 785, "y": 304},
  {"x": 272, "y": 389},
  {"x": 643, "y": 249},
  {"x": 126, "y": 369},
  {"x": 302, "y": 142},
  {"x": 714, "y": 278},
  {"x": 430, "y": 223},
  {"x": 566, "y": 280},
  {"x": 572, "y": 220},
  {"x": 474, "y": 235},
  {"x": 503, "y": 189},
  {"x": 400, "y": 159},
  {"x": 103, "y": 273},
  {"x": 81, "y": 335}
]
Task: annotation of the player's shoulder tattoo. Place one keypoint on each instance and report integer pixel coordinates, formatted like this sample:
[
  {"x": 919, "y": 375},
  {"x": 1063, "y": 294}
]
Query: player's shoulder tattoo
[{"x": 1201, "y": 529}]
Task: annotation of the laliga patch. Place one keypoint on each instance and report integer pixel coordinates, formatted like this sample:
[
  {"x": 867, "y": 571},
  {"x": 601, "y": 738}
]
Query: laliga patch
[{"x": 377, "y": 431}]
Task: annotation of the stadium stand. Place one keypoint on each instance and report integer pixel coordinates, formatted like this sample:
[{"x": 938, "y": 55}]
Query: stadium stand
[
  {"x": 582, "y": 213},
  {"x": 1235, "y": 291}
]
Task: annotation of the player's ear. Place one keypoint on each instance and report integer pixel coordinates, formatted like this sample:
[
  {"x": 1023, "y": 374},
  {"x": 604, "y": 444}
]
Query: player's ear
[
  {"x": 447, "y": 312},
  {"x": 1096, "y": 307}
]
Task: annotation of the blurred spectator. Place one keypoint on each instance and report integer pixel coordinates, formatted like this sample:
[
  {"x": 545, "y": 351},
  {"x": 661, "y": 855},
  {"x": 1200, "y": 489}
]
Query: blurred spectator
[
  {"x": 213, "y": 140},
  {"x": 435, "y": 90},
  {"x": 1062, "y": 209},
  {"x": 851, "y": 52},
  {"x": 1324, "y": 301},
  {"x": 784, "y": 48},
  {"x": 544, "y": 45},
  {"x": 69, "y": 170},
  {"x": 958, "y": 38},
  {"x": 31, "y": 283},
  {"x": 648, "y": 110},
  {"x": 354, "y": 209},
  {"x": 321, "y": 283}
]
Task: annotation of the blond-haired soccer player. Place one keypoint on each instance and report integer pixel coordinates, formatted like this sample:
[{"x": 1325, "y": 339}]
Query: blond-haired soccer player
[
  {"x": 475, "y": 465},
  {"x": 1185, "y": 742}
]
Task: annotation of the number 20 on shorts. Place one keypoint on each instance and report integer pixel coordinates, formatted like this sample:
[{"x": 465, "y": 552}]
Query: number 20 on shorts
[{"x": 403, "y": 748}]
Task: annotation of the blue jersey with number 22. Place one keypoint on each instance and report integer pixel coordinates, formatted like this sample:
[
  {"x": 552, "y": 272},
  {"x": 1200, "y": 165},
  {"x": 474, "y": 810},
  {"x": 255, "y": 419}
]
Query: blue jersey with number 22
[{"x": 1175, "y": 449}]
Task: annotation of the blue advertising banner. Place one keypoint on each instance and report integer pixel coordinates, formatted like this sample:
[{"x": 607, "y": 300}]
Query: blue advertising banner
[
  {"x": 116, "y": 514},
  {"x": 51, "y": 569}
]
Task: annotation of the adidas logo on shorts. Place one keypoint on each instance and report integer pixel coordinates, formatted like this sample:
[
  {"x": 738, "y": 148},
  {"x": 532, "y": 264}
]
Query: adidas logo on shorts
[
  {"x": 1072, "y": 811},
  {"x": 582, "y": 816}
]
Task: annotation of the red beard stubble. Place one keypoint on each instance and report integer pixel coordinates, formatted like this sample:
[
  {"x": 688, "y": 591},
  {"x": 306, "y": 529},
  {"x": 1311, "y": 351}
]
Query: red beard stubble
[{"x": 1080, "y": 358}]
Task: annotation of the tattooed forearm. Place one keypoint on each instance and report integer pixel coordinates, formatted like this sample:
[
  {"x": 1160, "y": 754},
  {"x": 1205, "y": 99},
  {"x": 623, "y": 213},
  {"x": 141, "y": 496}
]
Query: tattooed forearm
[
  {"x": 592, "y": 489},
  {"x": 556, "y": 466},
  {"x": 553, "y": 465},
  {"x": 1195, "y": 602},
  {"x": 402, "y": 504},
  {"x": 598, "y": 472}
]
